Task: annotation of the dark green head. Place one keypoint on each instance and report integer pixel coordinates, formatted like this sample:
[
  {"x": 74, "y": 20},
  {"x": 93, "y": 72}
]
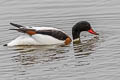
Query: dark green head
[{"x": 82, "y": 26}]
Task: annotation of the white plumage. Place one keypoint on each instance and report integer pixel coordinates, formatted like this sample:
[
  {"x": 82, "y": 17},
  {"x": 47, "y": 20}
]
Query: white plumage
[{"x": 36, "y": 39}]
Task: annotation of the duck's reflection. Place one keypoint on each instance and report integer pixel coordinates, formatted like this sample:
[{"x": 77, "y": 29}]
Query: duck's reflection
[
  {"x": 28, "y": 55},
  {"x": 85, "y": 48},
  {"x": 39, "y": 54}
]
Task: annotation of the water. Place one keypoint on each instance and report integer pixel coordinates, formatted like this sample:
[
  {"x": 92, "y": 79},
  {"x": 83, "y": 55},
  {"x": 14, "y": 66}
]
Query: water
[{"x": 96, "y": 59}]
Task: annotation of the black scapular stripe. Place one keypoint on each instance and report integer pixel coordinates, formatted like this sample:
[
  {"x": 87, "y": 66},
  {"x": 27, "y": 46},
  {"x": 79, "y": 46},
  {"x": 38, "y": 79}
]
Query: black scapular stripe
[
  {"x": 54, "y": 33},
  {"x": 16, "y": 25}
]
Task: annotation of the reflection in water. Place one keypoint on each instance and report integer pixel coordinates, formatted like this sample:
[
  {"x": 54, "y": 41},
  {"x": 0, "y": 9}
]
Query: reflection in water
[
  {"x": 85, "y": 48},
  {"x": 39, "y": 54}
]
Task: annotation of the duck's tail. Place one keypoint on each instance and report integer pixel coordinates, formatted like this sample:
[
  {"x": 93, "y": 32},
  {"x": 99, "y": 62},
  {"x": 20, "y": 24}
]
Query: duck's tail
[
  {"x": 20, "y": 27},
  {"x": 23, "y": 29},
  {"x": 17, "y": 25}
]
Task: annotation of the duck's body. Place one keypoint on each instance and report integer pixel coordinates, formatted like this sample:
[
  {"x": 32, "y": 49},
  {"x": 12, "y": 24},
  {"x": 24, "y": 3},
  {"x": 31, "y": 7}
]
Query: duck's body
[
  {"x": 48, "y": 35},
  {"x": 39, "y": 36}
]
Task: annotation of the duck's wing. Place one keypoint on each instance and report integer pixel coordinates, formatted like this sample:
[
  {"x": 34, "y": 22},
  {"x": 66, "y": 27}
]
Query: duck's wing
[
  {"x": 60, "y": 35},
  {"x": 50, "y": 31},
  {"x": 24, "y": 29}
]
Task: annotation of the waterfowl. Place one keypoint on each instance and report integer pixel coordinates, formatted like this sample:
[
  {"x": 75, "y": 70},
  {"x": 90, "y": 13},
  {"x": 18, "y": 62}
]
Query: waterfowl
[{"x": 48, "y": 35}]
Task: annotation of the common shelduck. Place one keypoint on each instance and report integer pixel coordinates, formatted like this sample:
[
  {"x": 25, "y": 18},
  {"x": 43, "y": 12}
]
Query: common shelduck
[{"x": 48, "y": 35}]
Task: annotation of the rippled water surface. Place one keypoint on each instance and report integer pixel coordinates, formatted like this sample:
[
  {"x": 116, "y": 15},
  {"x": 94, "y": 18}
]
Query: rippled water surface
[{"x": 97, "y": 58}]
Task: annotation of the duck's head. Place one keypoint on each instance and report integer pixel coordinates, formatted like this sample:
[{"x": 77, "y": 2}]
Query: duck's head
[{"x": 82, "y": 26}]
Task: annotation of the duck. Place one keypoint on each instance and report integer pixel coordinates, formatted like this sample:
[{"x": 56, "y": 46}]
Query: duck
[{"x": 48, "y": 35}]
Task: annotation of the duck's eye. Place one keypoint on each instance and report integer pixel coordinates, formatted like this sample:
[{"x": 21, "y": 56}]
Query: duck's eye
[{"x": 87, "y": 25}]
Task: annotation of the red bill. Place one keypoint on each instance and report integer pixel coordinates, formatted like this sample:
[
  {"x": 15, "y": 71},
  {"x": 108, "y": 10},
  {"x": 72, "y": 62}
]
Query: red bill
[{"x": 92, "y": 32}]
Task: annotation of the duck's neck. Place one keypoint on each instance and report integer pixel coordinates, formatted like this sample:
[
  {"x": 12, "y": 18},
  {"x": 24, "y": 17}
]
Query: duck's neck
[{"x": 76, "y": 37}]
